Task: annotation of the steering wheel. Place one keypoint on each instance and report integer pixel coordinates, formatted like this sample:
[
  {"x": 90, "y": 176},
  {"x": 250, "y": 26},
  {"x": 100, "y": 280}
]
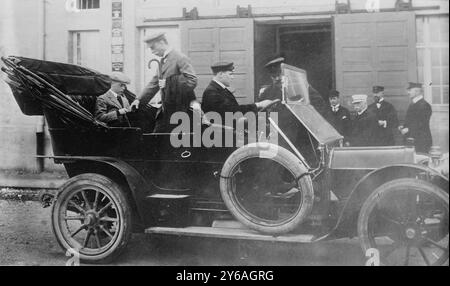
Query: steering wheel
[{"x": 268, "y": 107}]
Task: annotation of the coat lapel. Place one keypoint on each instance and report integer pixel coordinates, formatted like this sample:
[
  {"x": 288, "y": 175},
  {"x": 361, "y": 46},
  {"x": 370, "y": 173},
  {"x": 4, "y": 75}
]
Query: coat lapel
[{"x": 112, "y": 98}]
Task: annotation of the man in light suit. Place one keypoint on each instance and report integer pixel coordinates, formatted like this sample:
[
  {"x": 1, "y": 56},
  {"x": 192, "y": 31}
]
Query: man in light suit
[
  {"x": 113, "y": 107},
  {"x": 177, "y": 82}
]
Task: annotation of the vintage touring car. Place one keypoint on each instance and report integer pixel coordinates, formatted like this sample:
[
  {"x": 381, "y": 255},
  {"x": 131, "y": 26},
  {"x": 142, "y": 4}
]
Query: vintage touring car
[{"x": 304, "y": 190}]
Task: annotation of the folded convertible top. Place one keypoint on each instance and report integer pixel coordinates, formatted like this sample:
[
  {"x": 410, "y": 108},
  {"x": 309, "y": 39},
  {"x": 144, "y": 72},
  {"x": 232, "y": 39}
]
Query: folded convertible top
[{"x": 70, "y": 79}]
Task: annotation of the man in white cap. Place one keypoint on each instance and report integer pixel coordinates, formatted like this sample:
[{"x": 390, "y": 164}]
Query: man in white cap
[
  {"x": 364, "y": 124},
  {"x": 113, "y": 107},
  {"x": 177, "y": 82}
]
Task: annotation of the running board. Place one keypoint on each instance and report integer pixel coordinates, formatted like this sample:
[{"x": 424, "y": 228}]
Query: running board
[{"x": 229, "y": 233}]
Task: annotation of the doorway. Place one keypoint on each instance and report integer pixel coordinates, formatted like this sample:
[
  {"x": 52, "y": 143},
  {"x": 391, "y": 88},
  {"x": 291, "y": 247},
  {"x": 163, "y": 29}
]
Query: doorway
[{"x": 306, "y": 45}]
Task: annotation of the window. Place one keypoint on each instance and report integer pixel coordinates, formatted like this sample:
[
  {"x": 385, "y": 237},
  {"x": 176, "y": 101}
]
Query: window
[
  {"x": 432, "y": 57},
  {"x": 88, "y": 4}
]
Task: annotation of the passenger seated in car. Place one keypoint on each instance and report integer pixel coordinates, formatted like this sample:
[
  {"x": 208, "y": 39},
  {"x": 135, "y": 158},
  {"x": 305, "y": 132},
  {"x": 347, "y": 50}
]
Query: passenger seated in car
[
  {"x": 218, "y": 98},
  {"x": 113, "y": 107}
]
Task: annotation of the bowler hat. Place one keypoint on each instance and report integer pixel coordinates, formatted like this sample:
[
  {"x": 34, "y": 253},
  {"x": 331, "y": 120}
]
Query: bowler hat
[
  {"x": 333, "y": 93},
  {"x": 377, "y": 89}
]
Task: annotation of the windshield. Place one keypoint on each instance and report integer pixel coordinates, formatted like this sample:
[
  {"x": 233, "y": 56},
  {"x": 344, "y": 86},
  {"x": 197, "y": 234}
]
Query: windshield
[
  {"x": 298, "y": 102},
  {"x": 296, "y": 84}
]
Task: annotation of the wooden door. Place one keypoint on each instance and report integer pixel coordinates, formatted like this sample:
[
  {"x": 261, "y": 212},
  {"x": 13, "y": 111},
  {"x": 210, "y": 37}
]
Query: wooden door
[
  {"x": 376, "y": 49},
  {"x": 208, "y": 41}
]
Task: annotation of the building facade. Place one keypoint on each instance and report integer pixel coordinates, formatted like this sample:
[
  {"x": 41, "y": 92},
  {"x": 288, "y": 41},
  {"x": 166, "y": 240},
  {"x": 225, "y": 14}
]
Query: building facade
[{"x": 348, "y": 45}]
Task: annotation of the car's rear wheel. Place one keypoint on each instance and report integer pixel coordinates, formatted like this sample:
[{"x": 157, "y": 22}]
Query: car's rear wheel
[
  {"x": 267, "y": 188},
  {"x": 92, "y": 217},
  {"x": 406, "y": 221}
]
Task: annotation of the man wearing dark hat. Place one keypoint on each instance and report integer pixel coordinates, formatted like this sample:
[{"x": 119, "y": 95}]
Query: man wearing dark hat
[
  {"x": 387, "y": 118},
  {"x": 363, "y": 124},
  {"x": 273, "y": 91},
  {"x": 218, "y": 98},
  {"x": 417, "y": 122},
  {"x": 177, "y": 82},
  {"x": 340, "y": 115},
  {"x": 113, "y": 107}
]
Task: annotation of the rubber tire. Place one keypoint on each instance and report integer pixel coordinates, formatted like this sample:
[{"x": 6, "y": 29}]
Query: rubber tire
[
  {"x": 121, "y": 201},
  {"x": 394, "y": 185},
  {"x": 286, "y": 159}
]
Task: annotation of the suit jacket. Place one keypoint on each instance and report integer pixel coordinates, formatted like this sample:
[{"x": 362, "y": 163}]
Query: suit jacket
[
  {"x": 341, "y": 120},
  {"x": 418, "y": 122},
  {"x": 221, "y": 100},
  {"x": 106, "y": 109},
  {"x": 363, "y": 128},
  {"x": 175, "y": 63},
  {"x": 386, "y": 112}
]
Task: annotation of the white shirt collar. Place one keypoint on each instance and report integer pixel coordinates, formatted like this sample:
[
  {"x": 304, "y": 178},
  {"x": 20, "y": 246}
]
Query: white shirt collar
[
  {"x": 335, "y": 107},
  {"x": 115, "y": 94},
  {"x": 381, "y": 100},
  {"x": 219, "y": 83},
  {"x": 167, "y": 52},
  {"x": 362, "y": 111},
  {"x": 416, "y": 99}
]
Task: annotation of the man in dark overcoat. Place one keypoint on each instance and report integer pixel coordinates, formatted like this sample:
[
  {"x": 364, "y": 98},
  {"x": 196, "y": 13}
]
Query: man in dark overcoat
[
  {"x": 340, "y": 115},
  {"x": 177, "y": 82},
  {"x": 417, "y": 122},
  {"x": 387, "y": 118},
  {"x": 218, "y": 98}
]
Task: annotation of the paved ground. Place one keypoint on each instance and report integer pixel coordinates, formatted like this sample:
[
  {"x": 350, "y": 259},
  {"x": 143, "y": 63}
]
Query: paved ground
[{"x": 26, "y": 239}]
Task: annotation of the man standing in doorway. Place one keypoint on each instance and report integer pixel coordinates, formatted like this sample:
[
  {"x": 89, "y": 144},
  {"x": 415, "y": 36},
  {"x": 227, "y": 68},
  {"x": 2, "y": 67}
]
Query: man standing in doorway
[
  {"x": 177, "y": 82},
  {"x": 387, "y": 118},
  {"x": 417, "y": 122},
  {"x": 340, "y": 114}
]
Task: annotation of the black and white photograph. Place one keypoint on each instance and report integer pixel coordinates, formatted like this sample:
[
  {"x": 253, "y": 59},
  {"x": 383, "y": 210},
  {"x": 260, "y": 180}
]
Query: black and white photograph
[{"x": 242, "y": 133}]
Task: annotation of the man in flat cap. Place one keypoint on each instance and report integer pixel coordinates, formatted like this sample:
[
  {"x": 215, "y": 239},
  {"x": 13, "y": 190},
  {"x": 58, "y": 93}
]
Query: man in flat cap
[
  {"x": 387, "y": 118},
  {"x": 218, "y": 98},
  {"x": 363, "y": 124},
  {"x": 340, "y": 114},
  {"x": 417, "y": 122},
  {"x": 177, "y": 82},
  {"x": 113, "y": 107}
]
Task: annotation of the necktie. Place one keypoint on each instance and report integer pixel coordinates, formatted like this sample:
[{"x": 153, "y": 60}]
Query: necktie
[
  {"x": 119, "y": 98},
  {"x": 163, "y": 60},
  {"x": 335, "y": 109}
]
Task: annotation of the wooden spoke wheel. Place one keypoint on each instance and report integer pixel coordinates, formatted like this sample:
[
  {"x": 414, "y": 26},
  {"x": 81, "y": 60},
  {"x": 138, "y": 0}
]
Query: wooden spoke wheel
[
  {"x": 91, "y": 216},
  {"x": 406, "y": 220}
]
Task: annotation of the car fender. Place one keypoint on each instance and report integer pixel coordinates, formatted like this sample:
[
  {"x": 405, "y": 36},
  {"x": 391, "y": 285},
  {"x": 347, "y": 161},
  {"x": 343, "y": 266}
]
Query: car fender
[
  {"x": 376, "y": 178},
  {"x": 137, "y": 185}
]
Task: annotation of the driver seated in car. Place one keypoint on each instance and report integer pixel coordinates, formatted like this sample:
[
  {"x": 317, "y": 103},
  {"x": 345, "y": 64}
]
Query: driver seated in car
[
  {"x": 217, "y": 97},
  {"x": 113, "y": 107}
]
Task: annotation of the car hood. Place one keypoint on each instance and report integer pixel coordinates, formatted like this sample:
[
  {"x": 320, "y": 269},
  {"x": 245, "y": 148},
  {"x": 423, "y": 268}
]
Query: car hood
[{"x": 370, "y": 158}]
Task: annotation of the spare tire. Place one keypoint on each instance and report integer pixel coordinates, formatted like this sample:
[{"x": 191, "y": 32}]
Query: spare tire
[{"x": 251, "y": 186}]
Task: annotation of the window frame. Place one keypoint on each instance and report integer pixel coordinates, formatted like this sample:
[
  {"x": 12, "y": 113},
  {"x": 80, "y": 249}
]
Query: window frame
[
  {"x": 88, "y": 4},
  {"x": 426, "y": 46}
]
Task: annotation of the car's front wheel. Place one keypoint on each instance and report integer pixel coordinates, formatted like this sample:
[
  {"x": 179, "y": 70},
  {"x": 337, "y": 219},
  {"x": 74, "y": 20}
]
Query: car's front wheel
[
  {"x": 406, "y": 222},
  {"x": 91, "y": 217}
]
